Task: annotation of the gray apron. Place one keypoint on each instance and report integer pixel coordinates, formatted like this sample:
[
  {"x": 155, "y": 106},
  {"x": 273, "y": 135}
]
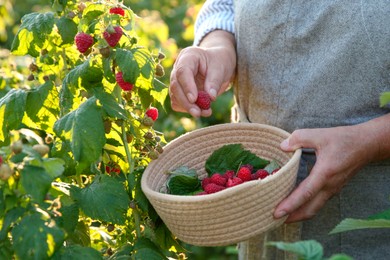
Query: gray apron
[{"x": 309, "y": 64}]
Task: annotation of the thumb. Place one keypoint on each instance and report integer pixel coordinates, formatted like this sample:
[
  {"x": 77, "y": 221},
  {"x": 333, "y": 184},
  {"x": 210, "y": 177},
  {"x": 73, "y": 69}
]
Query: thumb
[{"x": 302, "y": 138}]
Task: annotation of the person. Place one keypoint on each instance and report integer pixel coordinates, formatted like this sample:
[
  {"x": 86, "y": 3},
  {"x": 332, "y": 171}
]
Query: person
[{"x": 317, "y": 70}]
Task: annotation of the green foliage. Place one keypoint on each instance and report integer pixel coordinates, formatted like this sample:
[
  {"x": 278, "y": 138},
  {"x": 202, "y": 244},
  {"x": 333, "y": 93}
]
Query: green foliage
[{"x": 74, "y": 144}]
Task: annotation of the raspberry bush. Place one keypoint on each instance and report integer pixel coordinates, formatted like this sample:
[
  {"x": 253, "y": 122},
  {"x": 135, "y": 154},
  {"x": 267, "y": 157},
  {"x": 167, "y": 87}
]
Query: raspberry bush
[{"x": 75, "y": 138}]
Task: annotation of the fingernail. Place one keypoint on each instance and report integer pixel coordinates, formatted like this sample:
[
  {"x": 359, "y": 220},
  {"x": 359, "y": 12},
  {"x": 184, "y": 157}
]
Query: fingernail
[
  {"x": 213, "y": 93},
  {"x": 194, "y": 112},
  {"x": 191, "y": 97},
  {"x": 284, "y": 144},
  {"x": 280, "y": 214}
]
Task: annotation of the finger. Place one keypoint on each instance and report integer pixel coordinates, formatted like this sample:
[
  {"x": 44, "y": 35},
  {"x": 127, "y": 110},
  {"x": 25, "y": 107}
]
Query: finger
[
  {"x": 307, "y": 190},
  {"x": 179, "y": 101},
  {"x": 302, "y": 138},
  {"x": 310, "y": 209}
]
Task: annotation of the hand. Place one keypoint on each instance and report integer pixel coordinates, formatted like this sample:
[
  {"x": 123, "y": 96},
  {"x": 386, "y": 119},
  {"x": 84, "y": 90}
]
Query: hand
[
  {"x": 340, "y": 151},
  {"x": 209, "y": 67}
]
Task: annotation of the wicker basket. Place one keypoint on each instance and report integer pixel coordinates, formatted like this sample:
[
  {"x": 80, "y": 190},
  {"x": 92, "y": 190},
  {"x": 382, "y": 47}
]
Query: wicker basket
[{"x": 234, "y": 214}]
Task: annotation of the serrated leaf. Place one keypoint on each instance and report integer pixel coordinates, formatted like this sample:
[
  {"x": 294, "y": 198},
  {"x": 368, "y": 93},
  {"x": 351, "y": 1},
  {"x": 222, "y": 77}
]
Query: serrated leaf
[
  {"x": 80, "y": 235},
  {"x": 42, "y": 107},
  {"x": 105, "y": 199},
  {"x": 32, "y": 33},
  {"x": 12, "y": 107},
  {"x": 381, "y": 215},
  {"x": 350, "y": 224},
  {"x": 110, "y": 105},
  {"x": 273, "y": 165},
  {"x": 230, "y": 157},
  {"x": 128, "y": 65},
  {"x": 67, "y": 28},
  {"x": 54, "y": 166},
  {"x": 84, "y": 129},
  {"x": 183, "y": 181},
  {"x": 86, "y": 75},
  {"x": 69, "y": 216},
  {"x": 140, "y": 197},
  {"x": 77, "y": 252},
  {"x": 145, "y": 62},
  {"x": 146, "y": 249},
  {"x": 159, "y": 91},
  {"x": 307, "y": 249},
  {"x": 36, "y": 181},
  {"x": 35, "y": 238}
]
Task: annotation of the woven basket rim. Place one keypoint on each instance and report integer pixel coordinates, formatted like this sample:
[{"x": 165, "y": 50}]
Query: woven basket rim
[{"x": 180, "y": 198}]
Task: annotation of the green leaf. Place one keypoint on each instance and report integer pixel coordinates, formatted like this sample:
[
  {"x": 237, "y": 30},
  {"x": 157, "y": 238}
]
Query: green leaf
[
  {"x": 230, "y": 157},
  {"x": 9, "y": 220},
  {"x": 384, "y": 99},
  {"x": 84, "y": 129},
  {"x": 349, "y": 224},
  {"x": 381, "y": 215},
  {"x": 146, "y": 249},
  {"x": 340, "y": 257},
  {"x": 80, "y": 235},
  {"x": 67, "y": 28},
  {"x": 35, "y": 238},
  {"x": 36, "y": 181},
  {"x": 54, "y": 167},
  {"x": 128, "y": 65},
  {"x": 307, "y": 249},
  {"x": 273, "y": 165},
  {"x": 110, "y": 105},
  {"x": 86, "y": 75},
  {"x": 183, "y": 181},
  {"x": 12, "y": 107},
  {"x": 140, "y": 197},
  {"x": 159, "y": 91},
  {"x": 145, "y": 62},
  {"x": 77, "y": 252},
  {"x": 69, "y": 214},
  {"x": 6, "y": 251},
  {"x": 105, "y": 199},
  {"x": 33, "y": 33},
  {"x": 42, "y": 107}
]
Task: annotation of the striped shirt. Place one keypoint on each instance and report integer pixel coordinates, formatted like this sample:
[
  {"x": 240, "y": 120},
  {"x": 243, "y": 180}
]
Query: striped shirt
[{"x": 214, "y": 15}]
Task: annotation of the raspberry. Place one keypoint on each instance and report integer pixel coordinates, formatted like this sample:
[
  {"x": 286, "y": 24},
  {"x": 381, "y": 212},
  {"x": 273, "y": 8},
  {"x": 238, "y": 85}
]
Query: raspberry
[
  {"x": 244, "y": 174},
  {"x": 117, "y": 10},
  {"x": 126, "y": 86},
  {"x": 205, "y": 181},
  {"x": 112, "y": 38},
  {"x": 229, "y": 174},
  {"x": 83, "y": 41},
  {"x": 213, "y": 188},
  {"x": 152, "y": 112},
  {"x": 275, "y": 171},
  {"x": 250, "y": 167},
  {"x": 203, "y": 101},
  {"x": 233, "y": 182},
  {"x": 218, "y": 179},
  {"x": 260, "y": 174}
]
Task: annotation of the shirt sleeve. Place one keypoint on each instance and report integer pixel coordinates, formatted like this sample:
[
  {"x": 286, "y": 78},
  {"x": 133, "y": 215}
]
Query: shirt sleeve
[{"x": 214, "y": 15}]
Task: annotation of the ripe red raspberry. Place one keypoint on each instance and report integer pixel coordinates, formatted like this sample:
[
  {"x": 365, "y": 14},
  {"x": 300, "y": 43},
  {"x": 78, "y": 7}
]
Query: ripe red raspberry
[
  {"x": 233, "y": 182},
  {"x": 275, "y": 171},
  {"x": 205, "y": 181},
  {"x": 218, "y": 179},
  {"x": 117, "y": 10},
  {"x": 83, "y": 41},
  {"x": 260, "y": 174},
  {"x": 244, "y": 174},
  {"x": 203, "y": 101},
  {"x": 126, "y": 86},
  {"x": 250, "y": 167},
  {"x": 152, "y": 112},
  {"x": 213, "y": 188},
  {"x": 229, "y": 174},
  {"x": 112, "y": 37}
]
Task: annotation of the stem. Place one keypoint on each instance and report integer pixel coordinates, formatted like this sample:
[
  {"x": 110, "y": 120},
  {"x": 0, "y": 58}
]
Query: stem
[{"x": 137, "y": 221}]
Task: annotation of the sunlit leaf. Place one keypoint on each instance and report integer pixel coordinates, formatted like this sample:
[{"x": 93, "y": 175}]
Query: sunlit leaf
[
  {"x": 12, "y": 107},
  {"x": 36, "y": 238},
  {"x": 105, "y": 199},
  {"x": 127, "y": 63},
  {"x": 110, "y": 105},
  {"x": 384, "y": 99},
  {"x": 32, "y": 33},
  {"x": 84, "y": 129}
]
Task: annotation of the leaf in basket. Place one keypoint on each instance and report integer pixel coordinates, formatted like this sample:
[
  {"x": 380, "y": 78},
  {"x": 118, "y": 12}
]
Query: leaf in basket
[
  {"x": 273, "y": 165},
  {"x": 230, "y": 157},
  {"x": 183, "y": 181}
]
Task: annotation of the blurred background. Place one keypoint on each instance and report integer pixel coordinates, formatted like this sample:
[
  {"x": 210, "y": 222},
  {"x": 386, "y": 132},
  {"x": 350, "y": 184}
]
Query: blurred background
[{"x": 166, "y": 26}]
